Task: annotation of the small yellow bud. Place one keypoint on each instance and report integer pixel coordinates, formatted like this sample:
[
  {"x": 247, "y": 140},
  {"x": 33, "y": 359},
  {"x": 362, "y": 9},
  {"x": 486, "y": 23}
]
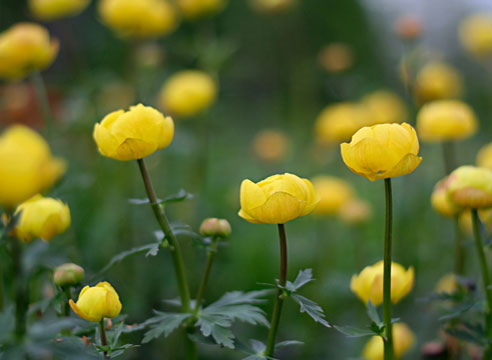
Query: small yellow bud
[
  {"x": 403, "y": 340},
  {"x": 476, "y": 34},
  {"x": 471, "y": 187},
  {"x": 355, "y": 211},
  {"x": 193, "y": 9},
  {"x": 440, "y": 200},
  {"x": 385, "y": 107},
  {"x": 272, "y": 6},
  {"x": 97, "y": 302},
  {"x": 448, "y": 284},
  {"x": 408, "y": 27},
  {"x": 68, "y": 275},
  {"x": 55, "y": 9},
  {"x": 333, "y": 193},
  {"x": 215, "y": 227},
  {"x": 270, "y": 145},
  {"x": 336, "y": 57},
  {"x": 438, "y": 80}
]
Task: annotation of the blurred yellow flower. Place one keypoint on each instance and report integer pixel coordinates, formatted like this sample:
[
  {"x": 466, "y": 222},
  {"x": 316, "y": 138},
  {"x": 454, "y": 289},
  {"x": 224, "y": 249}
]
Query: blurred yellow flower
[
  {"x": 441, "y": 202},
  {"x": 438, "y": 80},
  {"x": 138, "y": 18},
  {"x": 272, "y": 6},
  {"x": 471, "y": 187},
  {"x": 484, "y": 156},
  {"x": 444, "y": 120},
  {"x": 466, "y": 223},
  {"x": 270, "y": 145},
  {"x": 333, "y": 193},
  {"x": 277, "y": 199},
  {"x": 368, "y": 285},
  {"x": 26, "y": 165},
  {"x": 382, "y": 151},
  {"x": 193, "y": 9},
  {"x": 42, "y": 218},
  {"x": 97, "y": 302},
  {"x": 447, "y": 284},
  {"x": 385, "y": 107},
  {"x": 355, "y": 211},
  {"x": 56, "y": 9},
  {"x": 476, "y": 34},
  {"x": 188, "y": 92},
  {"x": 338, "y": 122},
  {"x": 25, "y": 47},
  {"x": 133, "y": 134},
  {"x": 336, "y": 57},
  {"x": 403, "y": 340}
]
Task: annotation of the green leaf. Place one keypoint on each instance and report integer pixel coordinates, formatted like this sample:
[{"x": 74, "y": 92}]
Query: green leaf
[
  {"x": 239, "y": 297},
  {"x": 373, "y": 314},
  {"x": 468, "y": 335},
  {"x": 286, "y": 343},
  {"x": 304, "y": 277},
  {"x": 257, "y": 346},
  {"x": 351, "y": 331},
  {"x": 217, "y": 326},
  {"x": 311, "y": 308},
  {"x": 181, "y": 195},
  {"x": 163, "y": 323}
]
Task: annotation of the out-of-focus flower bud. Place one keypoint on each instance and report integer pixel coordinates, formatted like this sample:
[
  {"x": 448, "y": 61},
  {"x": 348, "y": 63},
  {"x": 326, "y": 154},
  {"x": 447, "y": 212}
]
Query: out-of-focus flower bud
[
  {"x": 434, "y": 350},
  {"x": 408, "y": 27},
  {"x": 215, "y": 227},
  {"x": 440, "y": 200},
  {"x": 471, "y": 187},
  {"x": 438, "y": 80},
  {"x": 333, "y": 193},
  {"x": 336, "y": 57},
  {"x": 55, "y": 9},
  {"x": 355, "y": 211},
  {"x": 68, "y": 275},
  {"x": 149, "y": 55},
  {"x": 385, "y": 107},
  {"x": 448, "y": 284},
  {"x": 270, "y": 145},
  {"x": 476, "y": 34}
]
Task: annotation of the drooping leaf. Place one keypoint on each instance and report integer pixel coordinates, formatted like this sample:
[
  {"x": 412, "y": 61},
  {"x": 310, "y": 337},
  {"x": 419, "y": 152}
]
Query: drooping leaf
[
  {"x": 181, "y": 195},
  {"x": 239, "y": 297},
  {"x": 257, "y": 346},
  {"x": 311, "y": 308},
  {"x": 372, "y": 312},
  {"x": 304, "y": 277},
  {"x": 286, "y": 343},
  {"x": 351, "y": 331},
  {"x": 163, "y": 323}
]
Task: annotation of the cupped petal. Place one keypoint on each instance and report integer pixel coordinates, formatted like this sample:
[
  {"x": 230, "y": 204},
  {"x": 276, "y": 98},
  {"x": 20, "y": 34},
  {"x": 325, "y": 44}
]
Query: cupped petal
[
  {"x": 312, "y": 199},
  {"x": 79, "y": 313},
  {"x": 406, "y": 165},
  {"x": 414, "y": 144},
  {"x": 279, "y": 208},
  {"x": 247, "y": 217},
  {"x": 134, "y": 149},
  {"x": 405, "y": 285},
  {"x": 251, "y": 195}
]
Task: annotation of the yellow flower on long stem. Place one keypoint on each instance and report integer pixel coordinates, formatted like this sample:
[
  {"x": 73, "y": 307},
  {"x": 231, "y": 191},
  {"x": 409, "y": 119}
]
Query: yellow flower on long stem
[{"x": 97, "y": 302}]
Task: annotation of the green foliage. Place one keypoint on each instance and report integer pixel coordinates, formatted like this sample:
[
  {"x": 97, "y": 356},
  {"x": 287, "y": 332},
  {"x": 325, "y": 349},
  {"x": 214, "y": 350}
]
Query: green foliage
[
  {"x": 181, "y": 195},
  {"x": 163, "y": 323}
]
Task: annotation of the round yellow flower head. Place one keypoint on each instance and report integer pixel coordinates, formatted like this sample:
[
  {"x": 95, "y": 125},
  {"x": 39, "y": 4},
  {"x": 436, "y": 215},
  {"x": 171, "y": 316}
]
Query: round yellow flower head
[
  {"x": 272, "y": 6},
  {"x": 336, "y": 57},
  {"x": 42, "y": 218},
  {"x": 368, "y": 285},
  {"x": 471, "y": 187},
  {"x": 333, "y": 193},
  {"x": 56, "y": 9},
  {"x": 26, "y": 165},
  {"x": 476, "y": 34},
  {"x": 193, "y": 9},
  {"x": 382, "y": 151},
  {"x": 25, "y": 47},
  {"x": 277, "y": 199},
  {"x": 188, "y": 92},
  {"x": 385, "y": 107},
  {"x": 138, "y": 18},
  {"x": 438, "y": 80},
  {"x": 440, "y": 200},
  {"x": 447, "y": 284},
  {"x": 97, "y": 302},
  {"x": 133, "y": 134},
  {"x": 338, "y": 122},
  {"x": 355, "y": 211},
  {"x": 270, "y": 145},
  {"x": 403, "y": 340},
  {"x": 444, "y": 120},
  {"x": 484, "y": 156}
]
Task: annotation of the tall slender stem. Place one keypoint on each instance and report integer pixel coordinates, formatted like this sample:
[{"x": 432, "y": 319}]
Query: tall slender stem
[
  {"x": 459, "y": 252},
  {"x": 104, "y": 341},
  {"x": 211, "y": 252},
  {"x": 38, "y": 83},
  {"x": 20, "y": 290},
  {"x": 449, "y": 156},
  {"x": 279, "y": 300},
  {"x": 388, "y": 343}
]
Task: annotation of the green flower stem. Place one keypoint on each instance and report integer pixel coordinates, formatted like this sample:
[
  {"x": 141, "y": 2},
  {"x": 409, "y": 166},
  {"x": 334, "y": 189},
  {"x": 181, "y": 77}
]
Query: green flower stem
[
  {"x": 449, "y": 156},
  {"x": 388, "y": 343},
  {"x": 211, "y": 252},
  {"x": 66, "y": 305},
  {"x": 459, "y": 252},
  {"x": 40, "y": 87},
  {"x": 21, "y": 303},
  {"x": 104, "y": 341},
  {"x": 279, "y": 300}
]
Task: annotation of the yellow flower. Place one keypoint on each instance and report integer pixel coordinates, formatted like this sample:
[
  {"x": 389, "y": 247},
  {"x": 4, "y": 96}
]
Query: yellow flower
[
  {"x": 277, "y": 199},
  {"x": 382, "y": 151},
  {"x": 42, "y": 218},
  {"x": 338, "y": 122},
  {"x": 97, "y": 302},
  {"x": 484, "y": 156},
  {"x": 355, "y": 211},
  {"x": 385, "y": 107},
  {"x": 272, "y": 6},
  {"x": 444, "y": 120},
  {"x": 193, "y": 9},
  {"x": 133, "y": 134},
  {"x": 26, "y": 165},
  {"x": 447, "y": 284},
  {"x": 466, "y": 223},
  {"x": 270, "y": 145},
  {"x": 188, "y": 92},
  {"x": 403, "y": 340},
  {"x": 471, "y": 187},
  {"x": 56, "y": 9},
  {"x": 138, "y": 18},
  {"x": 476, "y": 34},
  {"x": 333, "y": 193},
  {"x": 368, "y": 285},
  {"x": 336, "y": 57},
  {"x": 25, "y": 47},
  {"x": 440, "y": 200},
  {"x": 438, "y": 80}
]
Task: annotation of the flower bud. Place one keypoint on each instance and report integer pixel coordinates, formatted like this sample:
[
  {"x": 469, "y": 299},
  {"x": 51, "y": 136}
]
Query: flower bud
[
  {"x": 97, "y": 302},
  {"x": 215, "y": 227},
  {"x": 385, "y": 107},
  {"x": 270, "y": 145},
  {"x": 476, "y": 34},
  {"x": 448, "y": 284},
  {"x": 68, "y": 274},
  {"x": 355, "y": 211},
  {"x": 471, "y": 187},
  {"x": 408, "y": 27},
  {"x": 440, "y": 200},
  {"x": 336, "y": 57},
  {"x": 434, "y": 350},
  {"x": 438, "y": 80},
  {"x": 333, "y": 193},
  {"x": 55, "y": 9}
]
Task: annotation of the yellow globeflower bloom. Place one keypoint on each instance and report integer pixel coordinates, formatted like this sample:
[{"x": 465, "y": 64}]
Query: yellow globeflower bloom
[
  {"x": 444, "y": 120},
  {"x": 272, "y": 6},
  {"x": 138, "y": 18},
  {"x": 338, "y": 122},
  {"x": 368, "y": 285},
  {"x": 484, "y": 156},
  {"x": 438, "y": 80},
  {"x": 133, "y": 134},
  {"x": 56, "y": 9},
  {"x": 188, "y": 92},
  {"x": 333, "y": 193},
  {"x": 355, "y": 211},
  {"x": 447, "y": 284},
  {"x": 476, "y": 34},
  {"x": 97, "y": 302},
  {"x": 385, "y": 107},
  {"x": 25, "y": 47},
  {"x": 270, "y": 145},
  {"x": 277, "y": 199},
  {"x": 42, "y": 218},
  {"x": 193, "y": 9},
  {"x": 403, "y": 340},
  {"x": 441, "y": 202},
  {"x": 382, "y": 151},
  {"x": 471, "y": 187},
  {"x": 26, "y": 165}
]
